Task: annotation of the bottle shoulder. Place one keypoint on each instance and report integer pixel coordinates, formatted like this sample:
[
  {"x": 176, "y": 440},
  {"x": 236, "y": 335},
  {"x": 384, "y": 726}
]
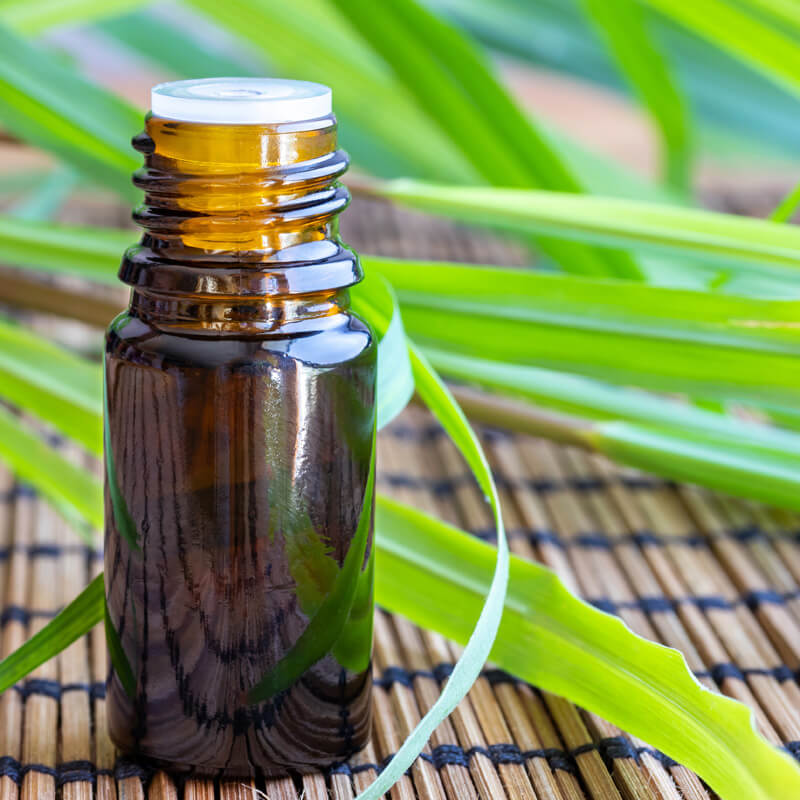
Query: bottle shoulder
[{"x": 326, "y": 342}]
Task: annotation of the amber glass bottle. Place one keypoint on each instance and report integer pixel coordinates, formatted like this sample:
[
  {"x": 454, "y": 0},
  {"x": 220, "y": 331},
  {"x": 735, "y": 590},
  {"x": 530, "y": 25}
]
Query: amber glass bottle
[{"x": 239, "y": 432}]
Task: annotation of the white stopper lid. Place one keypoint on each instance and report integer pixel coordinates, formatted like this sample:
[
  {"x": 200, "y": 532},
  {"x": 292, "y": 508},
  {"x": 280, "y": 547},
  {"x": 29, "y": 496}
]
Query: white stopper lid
[{"x": 236, "y": 101}]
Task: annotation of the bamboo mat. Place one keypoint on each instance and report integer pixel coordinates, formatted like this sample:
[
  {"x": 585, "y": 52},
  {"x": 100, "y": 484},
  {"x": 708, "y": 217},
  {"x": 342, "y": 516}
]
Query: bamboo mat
[{"x": 715, "y": 577}]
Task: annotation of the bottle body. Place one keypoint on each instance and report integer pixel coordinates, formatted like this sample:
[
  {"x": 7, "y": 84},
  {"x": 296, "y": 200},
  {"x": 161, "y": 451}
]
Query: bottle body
[
  {"x": 239, "y": 436},
  {"x": 242, "y": 464}
]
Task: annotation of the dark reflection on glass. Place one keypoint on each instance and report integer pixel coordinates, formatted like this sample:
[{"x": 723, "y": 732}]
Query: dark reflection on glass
[{"x": 242, "y": 464}]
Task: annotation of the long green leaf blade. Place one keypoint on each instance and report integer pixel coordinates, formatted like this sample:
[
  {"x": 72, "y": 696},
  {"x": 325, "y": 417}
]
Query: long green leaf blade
[
  {"x": 46, "y": 103},
  {"x": 453, "y": 84},
  {"x": 51, "y": 383},
  {"x": 743, "y": 34},
  {"x": 727, "y": 239},
  {"x": 74, "y": 492},
  {"x": 553, "y": 640},
  {"x": 89, "y": 252},
  {"x": 639, "y": 58},
  {"x": 77, "y": 619}
]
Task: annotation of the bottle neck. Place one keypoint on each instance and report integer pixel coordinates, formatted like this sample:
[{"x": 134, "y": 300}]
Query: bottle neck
[{"x": 240, "y": 224}]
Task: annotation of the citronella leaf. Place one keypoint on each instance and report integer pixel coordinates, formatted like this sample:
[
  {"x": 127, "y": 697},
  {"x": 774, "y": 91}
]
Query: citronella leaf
[
  {"x": 51, "y": 383},
  {"x": 48, "y": 104},
  {"x": 740, "y": 29},
  {"x": 438, "y": 577},
  {"x": 72, "y": 491},
  {"x": 721, "y": 238},
  {"x": 88, "y": 252},
  {"x": 701, "y": 343},
  {"x": 374, "y": 300},
  {"x": 444, "y": 407},
  {"x": 77, "y": 619},
  {"x": 559, "y": 643},
  {"x": 453, "y": 83},
  {"x": 624, "y": 26}
]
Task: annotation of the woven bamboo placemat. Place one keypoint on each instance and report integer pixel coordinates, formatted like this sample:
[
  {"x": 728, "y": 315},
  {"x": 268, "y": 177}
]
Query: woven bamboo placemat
[{"x": 717, "y": 578}]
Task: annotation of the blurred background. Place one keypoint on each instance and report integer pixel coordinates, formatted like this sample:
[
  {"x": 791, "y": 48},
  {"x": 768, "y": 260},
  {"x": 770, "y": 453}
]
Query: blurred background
[{"x": 553, "y": 55}]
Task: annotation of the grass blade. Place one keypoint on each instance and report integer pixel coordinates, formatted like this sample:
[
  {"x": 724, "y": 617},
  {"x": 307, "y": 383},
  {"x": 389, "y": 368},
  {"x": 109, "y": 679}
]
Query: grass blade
[
  {"x": 701, "y": 343},
  {"x": 51, "y": 383},
  {"x": 374, "y": 300},
  {"x": 30, "y": 18},
  {"x": 73, "y": 492},
  {"x": 77, "y": 619},
  {"x": 742, "y": 33},
  {"x": 553, "y": 640},
  {"x": 623, "y": 24},
  {"x": 92, "y": 253},
  {"x": 727, "y": 239},
  {"x": 38, "y": 103},
  {"x": 453, "y": 84}
]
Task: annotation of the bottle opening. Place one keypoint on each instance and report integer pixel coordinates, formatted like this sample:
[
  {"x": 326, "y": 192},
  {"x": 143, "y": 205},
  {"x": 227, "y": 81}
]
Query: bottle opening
[{"x": 237, "y": 101}]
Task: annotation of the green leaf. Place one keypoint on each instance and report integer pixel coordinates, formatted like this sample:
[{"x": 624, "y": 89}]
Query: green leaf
[
  {"x": 374, "y": 300},
  {"x": 28, "y": 17},
  {"x": 52, "y": 383},
  {"x": 73, "y": 491},
  {"x": 786, "y": 208},
  {"x": 553, "y": 640},
  {"x": 444, "y": 407},
  {"x": 702, "y": 343},
  {"x": 77, "y": 619},
  {"x": 90, "y": 252},
  {"x": 49, "y": 105},
  {"x": 733, "y": 467},
  {"x": 327, "y": 624},
  {"x": 452, "y": 83},
  {"x": 726, "y": 239},
  {"x": 639, "y": 58},
  {"x": 286, "y": 33},
  {"x": 742, "y": 32},
  {"x": 660, "y": 435},
  {"x": 739, "y": 111}
]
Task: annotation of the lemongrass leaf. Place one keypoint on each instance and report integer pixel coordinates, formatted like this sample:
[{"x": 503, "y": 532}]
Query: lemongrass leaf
[
  {"x": 444, "y": 407},
  {"x": 49, "y": 105},
  {"x": 555, "y": 641},
  {"x": 786, "y": 208},
  {"x": 28, "y": 17},
  {"x": 723, "y": 238},
  {"x": 451, "y": 81},
  {"x": 701, "y": 343},
  {"x": 374, "y": 300},
  {"x": 732, "y": 467},
  {"x": 51, "y": 383},
  {"x": 744, "y": 34},
  {"x": 89, "y": 252},
  {"x": 623, "y": 24},
  {"x": 595, "y": 400},
  {"x": 72, "y": 491},
  {"x": 77, "y": 619}
]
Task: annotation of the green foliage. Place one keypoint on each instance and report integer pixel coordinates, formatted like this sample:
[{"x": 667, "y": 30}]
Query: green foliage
[
  {"x": 418, "y": 97},
  {"x": 77, "y": 619},
  {"x": 639, "y": 58},
  {"x": 52, "y": 107}
]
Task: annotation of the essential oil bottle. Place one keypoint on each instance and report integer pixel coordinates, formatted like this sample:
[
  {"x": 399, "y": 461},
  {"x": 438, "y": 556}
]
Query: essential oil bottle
[{"x": 239, "y": 443}]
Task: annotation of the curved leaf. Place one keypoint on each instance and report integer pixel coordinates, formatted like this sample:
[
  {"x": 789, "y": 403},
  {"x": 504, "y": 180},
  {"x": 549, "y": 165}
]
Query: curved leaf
[{"x": 553, "y": 640}]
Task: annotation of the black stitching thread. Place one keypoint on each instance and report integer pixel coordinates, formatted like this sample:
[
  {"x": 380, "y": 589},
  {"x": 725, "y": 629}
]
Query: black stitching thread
[{"x": 50, "y": 550}]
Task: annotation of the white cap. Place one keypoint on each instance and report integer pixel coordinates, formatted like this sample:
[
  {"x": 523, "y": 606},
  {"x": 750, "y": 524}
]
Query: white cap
[{"x": 236, "y": 101}]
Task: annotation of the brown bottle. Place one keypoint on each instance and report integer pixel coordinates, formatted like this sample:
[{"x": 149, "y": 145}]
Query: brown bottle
[{"x": 239, "y": 436}]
